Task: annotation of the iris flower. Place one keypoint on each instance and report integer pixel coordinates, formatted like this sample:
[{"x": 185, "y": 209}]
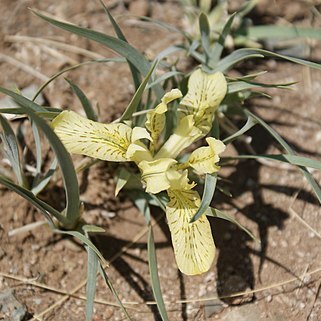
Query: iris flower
[{"x": 157, "y": 160}]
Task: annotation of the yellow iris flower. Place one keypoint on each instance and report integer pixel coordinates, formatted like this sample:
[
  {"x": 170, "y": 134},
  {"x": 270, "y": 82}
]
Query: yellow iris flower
[{"x": 160, "y": 171}]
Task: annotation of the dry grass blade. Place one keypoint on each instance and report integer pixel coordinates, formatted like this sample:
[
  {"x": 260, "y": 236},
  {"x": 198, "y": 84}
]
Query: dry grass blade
[
  {"x": 56, "y": 44},
  {"x": 26, "y": 68}
]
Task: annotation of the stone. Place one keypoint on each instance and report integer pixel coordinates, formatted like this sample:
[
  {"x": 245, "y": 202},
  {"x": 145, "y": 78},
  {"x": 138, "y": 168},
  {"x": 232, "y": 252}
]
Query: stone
[{"x": 10, "y": 307}]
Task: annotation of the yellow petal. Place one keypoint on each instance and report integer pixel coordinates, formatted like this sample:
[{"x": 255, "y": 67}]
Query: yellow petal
[
  {"x": 155, "y": 119},
  {"x": 172, "y": 95},
  {"x": 154, "y": 174},
  {"x": 138, "y": 152},
  {"x": 184, "y": 135},
  {"x": 179, "y": 180},
  {"x": 203, "y": 159},
  {"x": 193, "y": 242},
  {"x": 205, "y": 93},
  {"x": 140, "y": 133},
  {"x": 86, "y": 137}
]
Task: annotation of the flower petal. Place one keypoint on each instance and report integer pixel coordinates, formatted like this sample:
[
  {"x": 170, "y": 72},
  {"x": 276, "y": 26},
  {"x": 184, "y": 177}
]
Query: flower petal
[
  {"x": 184, "y": 135},
  {"x": 155, "y": 122},
  {"x": 205, "y": 93},
  {"x": 154, "y": 174},
  {"x": 86, "y": 137},
  {"x": 193, "y": 242},
  {"x": 203, "y": 159}
]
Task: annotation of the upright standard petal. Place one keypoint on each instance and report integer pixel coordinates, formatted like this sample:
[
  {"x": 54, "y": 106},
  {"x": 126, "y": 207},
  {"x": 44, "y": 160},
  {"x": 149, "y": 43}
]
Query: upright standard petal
[
  {"x": 204, "y": 159},
  {"x": 86, "y": 137},
  {"x": 154, "y": 174},
  {"x": 193, "y": 242},
  {"x": 205, "y": 93},
  {"x": 155, "y": 119},
  {"x": 184, "y": 135}
]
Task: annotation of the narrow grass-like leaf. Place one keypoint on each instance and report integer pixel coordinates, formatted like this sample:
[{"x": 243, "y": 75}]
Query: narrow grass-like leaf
[
  {"x": 219, "y": 214},
  {"x": 164, "y": 77},
  {"x": 117, "y": 45},
  {"x": 248, "y": 125},
  {"x": 92, "y": 268},
  {"x": 20, "y": 100},
  {"x": 11, "y": 149},
  {"x": 85, "y": 240},
  {"x": 88, "y": 228},
  {"x": 132, "y": 107},
  {"x": 64, "y": 159},
  {"x": 285, "y": 158},
  {"x": 30, "y": 197},
  {"x": 205, "y": 33},
  {"x": 153, "y": 270},
  {"x": 234, "y": 58},
  {"x": 280, "y": 32},
  {"x": 88, "y": 108},
  {"x": 122, "y": 178},
  {"x": 39, "y": 184},
  {"x": 219, "y": 45},
  {"x": 209, "y": 189},
  {"x": 61, "y": 72},
  {"x": 237, "y": 86},
  {"x": 244, "y": 53},
  {"x": 315, "y": 187},
  {"x": 112, "y": 289},
  {"x": 120, "y": 35},
  {"x": 36, "y": 137}
]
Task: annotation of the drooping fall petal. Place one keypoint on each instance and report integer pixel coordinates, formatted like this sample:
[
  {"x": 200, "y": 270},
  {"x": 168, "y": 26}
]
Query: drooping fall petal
[
  {"x": 86, "y": 137},
  {"x": 205, "y": 93},
  {"x": 204, "y": 159},
  {"x": 193, "y": 242}
]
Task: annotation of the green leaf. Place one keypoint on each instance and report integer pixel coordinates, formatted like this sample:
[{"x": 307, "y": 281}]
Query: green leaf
[
  {"x": 251, "y": 122},
  {"x": 242, "y": 54},
  {"x": 237, "y": 86},
  {"x": 85, "y": 240},
  {"x": 117, "y": 45},
  {"x": 153, "y": 270},
  {"x": 88, "y": 108},
  {"x": 64, "y": 159},
  {"x": 92, "y": 229},
  {"x": 209, "y": 189},
  {"x": 44, "y": 85},
  {"x": 285, "y": 158},
  {"x": 45, "y": 208},
  {"x": 219, "y": 214},
  {"x": 39, "y": 184},
  {"x": 112, "y": 289},
  {"x": 132, "y": 107},
  {"x": 11, "y": 149},
  {"x": 315, "y": 187},
  {"x": 20, "y": 100},
  {"x": 219, "y": 45},
  {"x": 120, "y": 35},
  {"x": 280, "y": 32},
  {"x": 38, "y": 149},
  {"x": 92, "y": 268},
  {"x": 122, "y": 178},
  {"x": 205, "y": 33}
]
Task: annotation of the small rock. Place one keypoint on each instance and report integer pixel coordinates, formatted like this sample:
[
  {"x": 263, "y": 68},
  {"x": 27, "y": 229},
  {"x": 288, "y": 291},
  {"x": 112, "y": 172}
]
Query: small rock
[
  {"x": 107, "y": 214},
  {"x": 243, "y": 313},
  {"x": 10, "y": 307}
]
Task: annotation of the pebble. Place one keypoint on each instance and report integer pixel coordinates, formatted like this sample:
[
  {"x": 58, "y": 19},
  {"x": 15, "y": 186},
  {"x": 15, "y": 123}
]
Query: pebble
[
  {"x": 139, "y": 7},
  {"x": 10, "y": 307}
]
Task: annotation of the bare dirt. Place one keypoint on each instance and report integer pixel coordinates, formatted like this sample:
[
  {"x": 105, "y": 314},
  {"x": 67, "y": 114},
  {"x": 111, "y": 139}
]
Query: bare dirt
[{"x": 48, "y": 271}]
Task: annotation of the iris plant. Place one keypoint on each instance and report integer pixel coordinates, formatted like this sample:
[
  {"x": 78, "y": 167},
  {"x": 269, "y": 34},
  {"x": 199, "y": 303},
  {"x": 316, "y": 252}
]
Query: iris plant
[{"x": 158, "y": 160}]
